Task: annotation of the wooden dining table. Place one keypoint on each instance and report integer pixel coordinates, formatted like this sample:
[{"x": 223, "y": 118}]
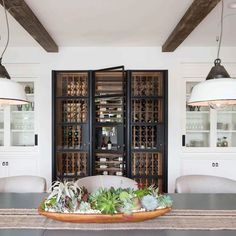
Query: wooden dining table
[{"x": 192, "y": 215}]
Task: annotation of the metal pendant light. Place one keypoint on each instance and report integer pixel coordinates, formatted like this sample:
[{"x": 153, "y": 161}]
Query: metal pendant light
[
  {"x": 219, "y": 89},
  {"x": 11, "y": 92}
]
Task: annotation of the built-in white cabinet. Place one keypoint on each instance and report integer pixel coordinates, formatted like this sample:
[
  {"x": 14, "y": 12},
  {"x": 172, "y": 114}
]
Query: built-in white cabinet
[
  {"x": 18, "y": 122},
  {"x": 208, "y": 135},
  {"x": 18, "y": 166},
  {"x": 206, "y": 127},
  {"x": 215, "y": 167},
  {"x": 19, "y": 150}
]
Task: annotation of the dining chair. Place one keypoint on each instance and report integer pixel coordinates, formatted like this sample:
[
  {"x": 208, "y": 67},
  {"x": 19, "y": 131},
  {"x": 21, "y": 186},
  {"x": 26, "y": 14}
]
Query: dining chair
[
  {"x": 23, "y": 184},
  {"x": 92, "y": 183},
  {"x": 204, "y": 184}
]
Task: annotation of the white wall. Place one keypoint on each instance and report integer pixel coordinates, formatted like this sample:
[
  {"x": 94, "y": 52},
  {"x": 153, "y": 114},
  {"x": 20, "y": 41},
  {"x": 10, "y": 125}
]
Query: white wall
[{"x": 132, "y": 58}]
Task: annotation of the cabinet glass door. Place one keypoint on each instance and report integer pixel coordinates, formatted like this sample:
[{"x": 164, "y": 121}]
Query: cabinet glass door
[
  {"x": 22, "y": 119},
  {"x": 109, "y": 123},
  {"x": 72, "y": 125},
  {"x": 197, "y": 122},
  {"x": 147, "y": 128},
  {"x": 1, "y": 126},
  {"x": 226, "y": 127}
]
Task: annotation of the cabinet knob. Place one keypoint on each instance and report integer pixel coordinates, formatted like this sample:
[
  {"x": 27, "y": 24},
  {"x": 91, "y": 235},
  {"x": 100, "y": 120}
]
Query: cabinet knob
[
  {"x": 3, "y": 163},
  {"x": 6, "y": 163}
]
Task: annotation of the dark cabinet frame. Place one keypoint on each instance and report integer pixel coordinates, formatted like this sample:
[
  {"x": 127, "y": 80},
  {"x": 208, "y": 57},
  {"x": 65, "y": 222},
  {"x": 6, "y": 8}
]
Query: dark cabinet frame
[{"x": 163, "y": 145}]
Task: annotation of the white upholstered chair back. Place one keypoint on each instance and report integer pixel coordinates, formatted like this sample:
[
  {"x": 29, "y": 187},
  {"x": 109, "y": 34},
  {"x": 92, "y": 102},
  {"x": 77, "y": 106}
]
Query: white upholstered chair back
[
  {"x": 23, "y": 184},
  {"x": 204, "y": 184},
  {"x": 92, "y": 183}
]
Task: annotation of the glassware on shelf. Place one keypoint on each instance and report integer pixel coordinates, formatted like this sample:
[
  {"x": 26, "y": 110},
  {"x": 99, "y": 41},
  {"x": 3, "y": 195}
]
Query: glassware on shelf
[
  {"x": 224, "y": 142},
  {"x": 219, "y": 142}
]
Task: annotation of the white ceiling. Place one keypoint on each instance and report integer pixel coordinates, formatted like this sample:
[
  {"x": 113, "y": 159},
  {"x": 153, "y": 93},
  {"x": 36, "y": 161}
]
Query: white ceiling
[{"x": 118, "y": 23}]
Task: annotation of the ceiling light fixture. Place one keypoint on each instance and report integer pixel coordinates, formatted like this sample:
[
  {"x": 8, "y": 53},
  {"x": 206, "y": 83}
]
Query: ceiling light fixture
[
  {"x": 219, "y": 89},
  {"x": 11, "y": 92}
]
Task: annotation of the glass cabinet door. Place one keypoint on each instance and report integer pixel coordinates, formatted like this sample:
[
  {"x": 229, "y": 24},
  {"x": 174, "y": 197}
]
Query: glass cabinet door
[
  {"x": 72, "y": 125},
  {"x": 147, "y": 127},
  {"x": 109, "y": 123},
  {"x": 197, "y": 122},
  {"x": 226, "y": 127},
  {"x": 22, "y": 119}
]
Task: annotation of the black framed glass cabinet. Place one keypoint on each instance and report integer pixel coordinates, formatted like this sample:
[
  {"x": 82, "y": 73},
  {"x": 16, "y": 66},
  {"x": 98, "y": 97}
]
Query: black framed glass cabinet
[{"x": 110, "y": 122}]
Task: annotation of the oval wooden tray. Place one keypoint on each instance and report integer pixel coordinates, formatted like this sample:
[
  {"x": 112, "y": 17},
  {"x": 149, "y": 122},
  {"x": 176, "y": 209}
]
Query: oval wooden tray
[{"x": 101, "y": 218}]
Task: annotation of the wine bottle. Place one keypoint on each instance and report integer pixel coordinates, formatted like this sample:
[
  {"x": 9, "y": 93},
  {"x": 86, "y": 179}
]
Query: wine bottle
[
  {"x": 118, "y": 159},
  {"x": 103, "y": 144},
  {"x": 109, "y": 143}
]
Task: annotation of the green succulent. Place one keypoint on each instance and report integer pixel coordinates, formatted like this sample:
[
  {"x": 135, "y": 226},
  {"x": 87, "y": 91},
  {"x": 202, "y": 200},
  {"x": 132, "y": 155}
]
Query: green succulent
[
  {"x": 108, "y": 202},
  {"x": 142, "y": 192}
]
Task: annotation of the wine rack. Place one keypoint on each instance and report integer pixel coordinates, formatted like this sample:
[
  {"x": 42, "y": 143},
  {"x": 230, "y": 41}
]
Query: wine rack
[
  {"x": 109, "y": 164},
  {"x": 144, "y": 137},
  {"x": 72, "y": 137},
  {"x": 109, "y": 83},
  {"x": 147, "y": 110},
  {"x": 145, "y": 164},
  {"x": 109, "y": 110},
  {"x": 73, "y": 85},
  {"x": 72, "y": 165},
  {"x": 147, "y": 121},
  {"x": 72, "y": 125},
  {"x": 109, "y": 128},
  {"x": 74, "y": 110},
  {"x": 147, "y": 84},
  {"x": 110, "y": 122}
]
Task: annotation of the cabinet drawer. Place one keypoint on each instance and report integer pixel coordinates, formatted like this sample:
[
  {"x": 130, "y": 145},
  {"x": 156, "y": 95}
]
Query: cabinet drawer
[{"x": 223, "y": 168}]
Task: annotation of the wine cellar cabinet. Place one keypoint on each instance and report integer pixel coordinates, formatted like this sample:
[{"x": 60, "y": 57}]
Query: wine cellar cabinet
[{"x": 110, "y": 122}]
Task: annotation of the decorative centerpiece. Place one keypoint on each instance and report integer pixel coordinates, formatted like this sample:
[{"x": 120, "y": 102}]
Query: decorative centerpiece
[{"x": 68, "y": 202}]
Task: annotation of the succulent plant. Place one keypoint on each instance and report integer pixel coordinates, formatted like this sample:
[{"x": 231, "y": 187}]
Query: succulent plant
[
  {"x": 63, "y": 197},
  {"x": 68, "y": 197},
  {"x": 164, "y": 201},
  {"x": 84, "y": 206},
  {"x": 108, "y": 201},
  {"x": 149, "y": 202},
  {"x": 142, "y": 192}
]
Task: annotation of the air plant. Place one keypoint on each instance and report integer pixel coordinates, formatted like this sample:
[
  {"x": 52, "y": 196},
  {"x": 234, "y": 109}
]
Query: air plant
[{"x": 63, "y": 197}]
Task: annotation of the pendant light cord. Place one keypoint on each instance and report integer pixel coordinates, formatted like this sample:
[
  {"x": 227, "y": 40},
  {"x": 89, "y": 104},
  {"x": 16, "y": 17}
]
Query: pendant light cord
[
  {"x": 8, "y": 32},
  {"x": 221, "y": 28}
]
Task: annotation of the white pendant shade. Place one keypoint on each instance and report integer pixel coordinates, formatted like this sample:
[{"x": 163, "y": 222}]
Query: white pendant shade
[
  {"x": 214, "y": 92},
  {"x": 11, "y": 93}
]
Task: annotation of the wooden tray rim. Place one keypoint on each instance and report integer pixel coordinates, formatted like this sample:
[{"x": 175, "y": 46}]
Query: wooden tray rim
[{"x": 104, "y": 218}]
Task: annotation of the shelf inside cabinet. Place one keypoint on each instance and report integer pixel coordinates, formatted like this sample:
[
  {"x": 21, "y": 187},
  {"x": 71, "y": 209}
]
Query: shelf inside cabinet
[
  {"x": 22, "y": 130},
  {"x": 113, "y": 151},
  {"x": 226, "y": 131},
  {"x": 30, "y": 94},
  {"x": 197, "y": 131},
  {"x": 109, "y": 169},
  {"x": 197, "y": 112},
  {"x": 22, "y": 112},
  {"x": 108, "y": 162}
]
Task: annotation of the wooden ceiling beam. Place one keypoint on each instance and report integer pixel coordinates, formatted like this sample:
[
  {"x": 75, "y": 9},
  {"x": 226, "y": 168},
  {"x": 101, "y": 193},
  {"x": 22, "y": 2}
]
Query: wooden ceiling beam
[
  {"x": 191, "y": 19},
  {"x": 27, "y": 19}
]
